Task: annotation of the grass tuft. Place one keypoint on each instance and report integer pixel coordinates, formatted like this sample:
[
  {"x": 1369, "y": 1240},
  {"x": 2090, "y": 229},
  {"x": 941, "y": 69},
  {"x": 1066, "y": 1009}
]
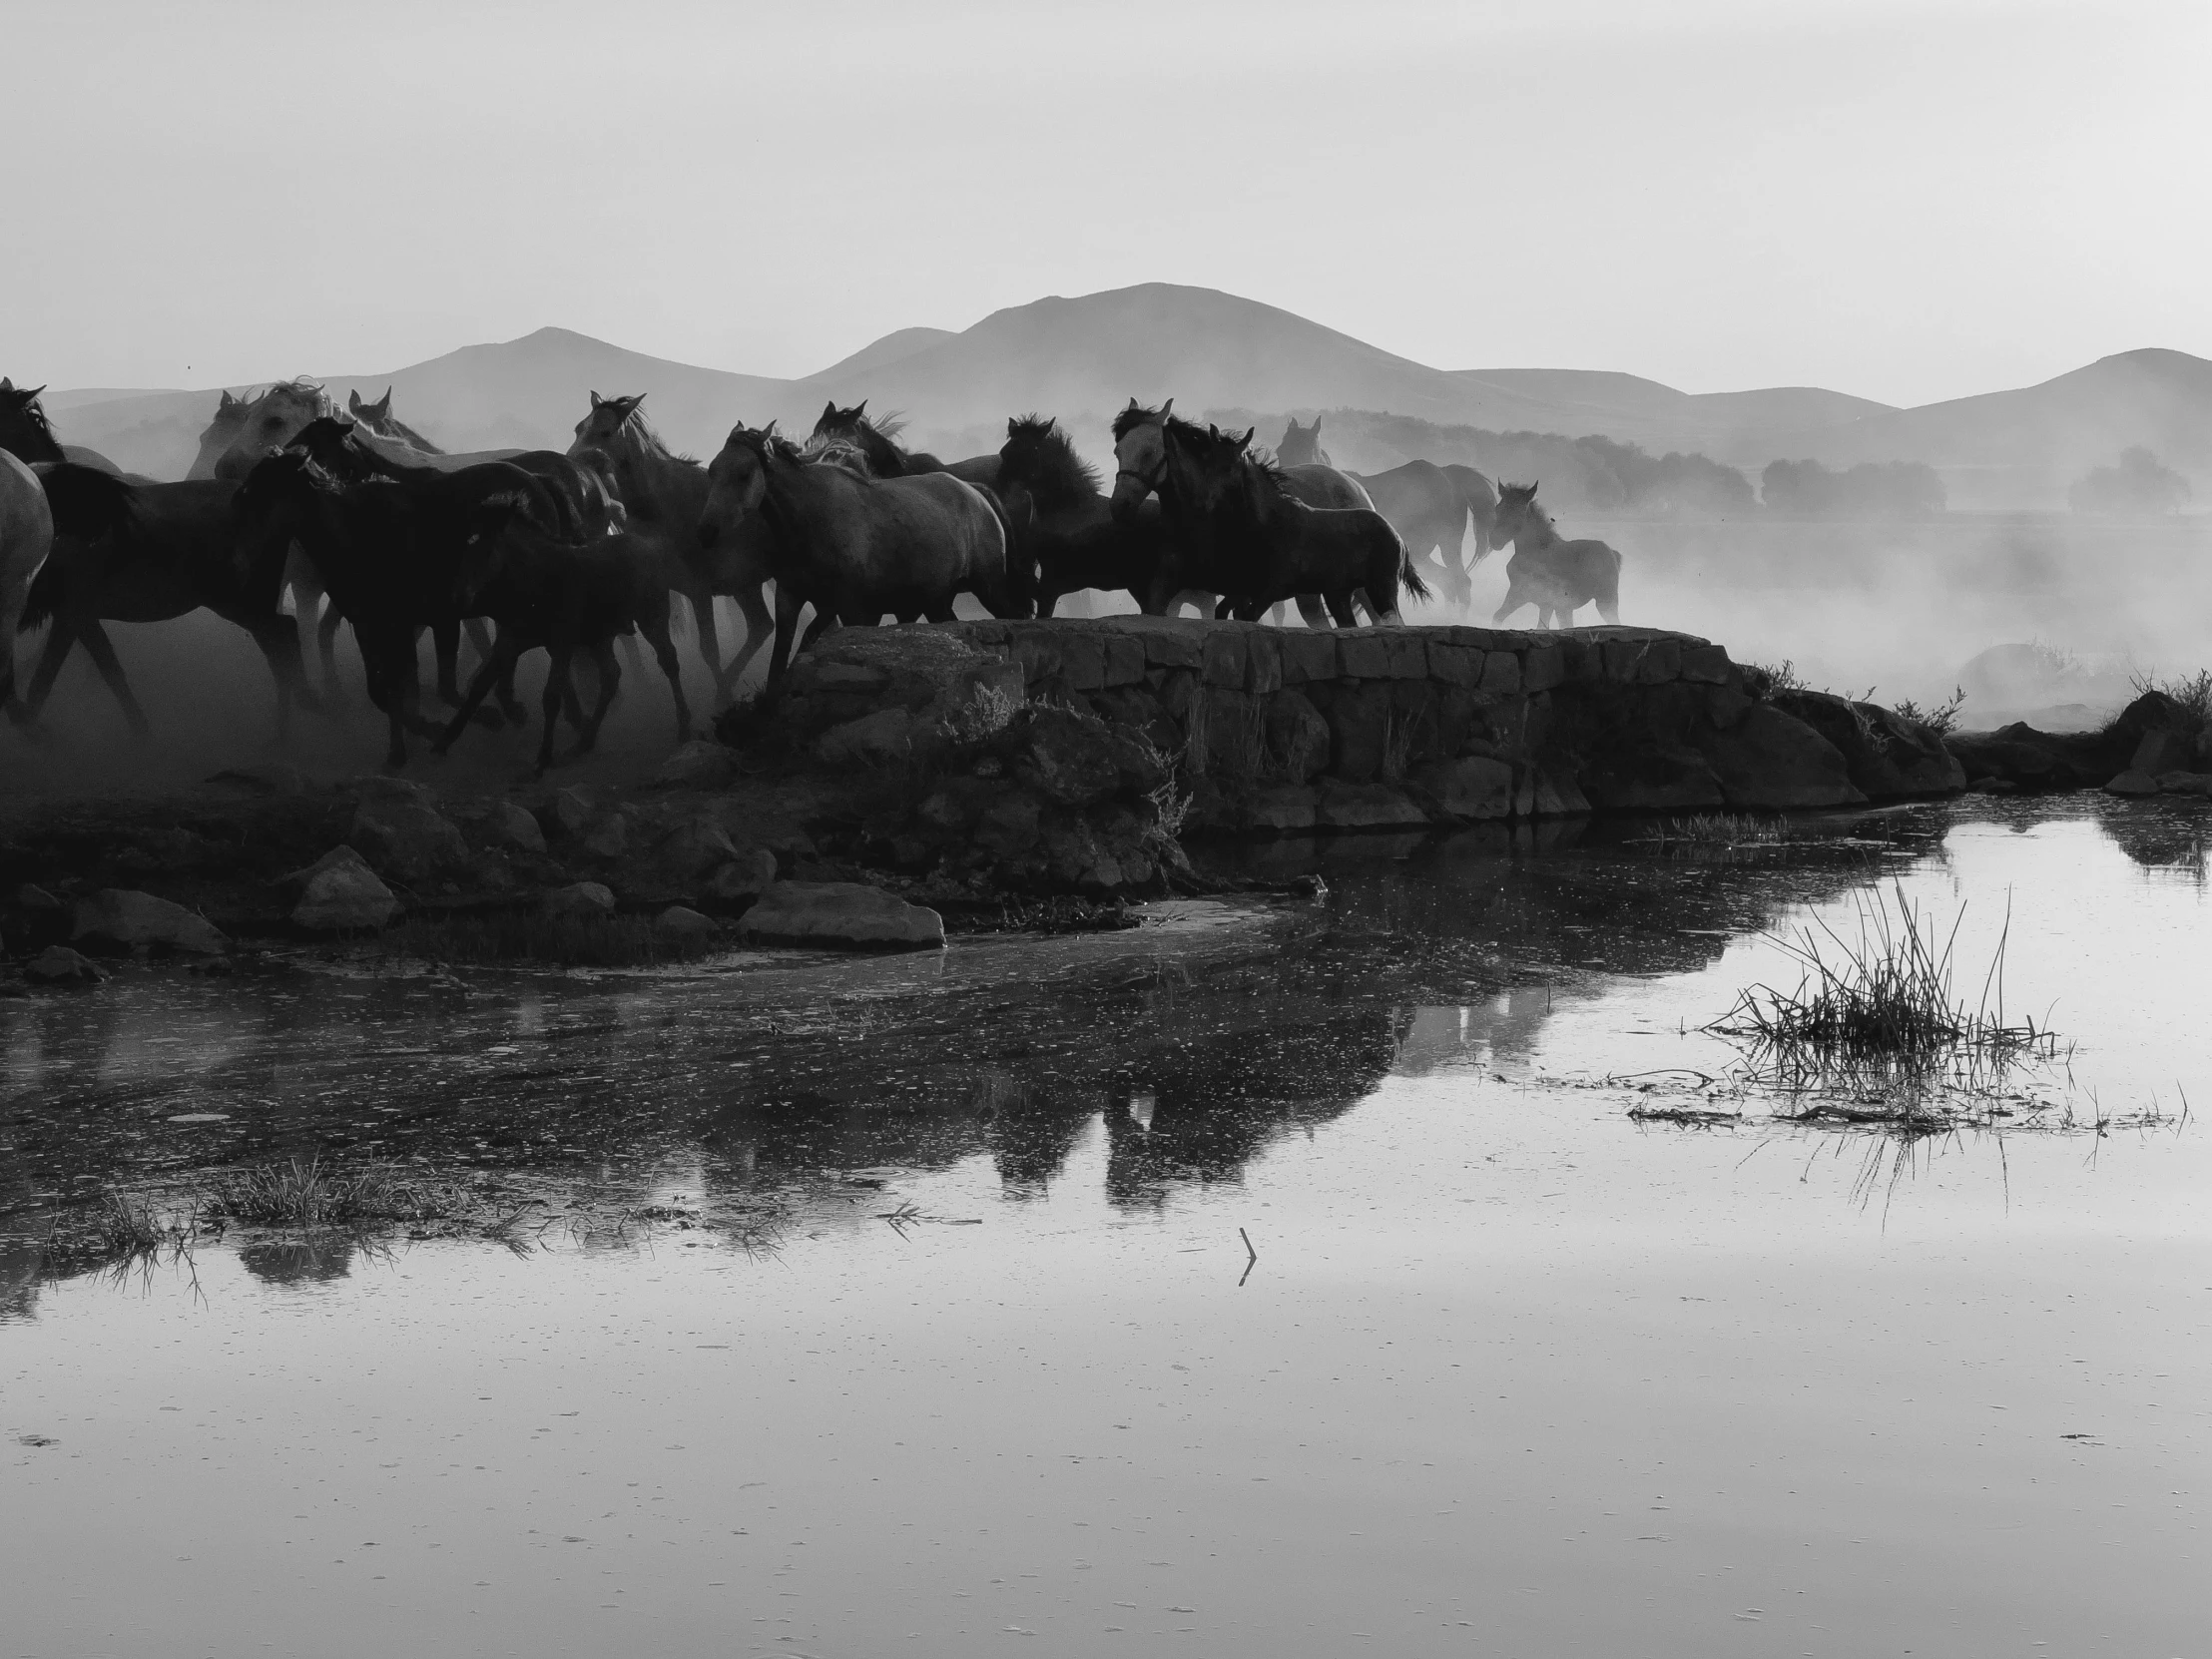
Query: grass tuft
[
  {"x": 1879, "y": 1017},
  {"x": 1939, "y": 717},
  {"x": 1726, "y": 830}
]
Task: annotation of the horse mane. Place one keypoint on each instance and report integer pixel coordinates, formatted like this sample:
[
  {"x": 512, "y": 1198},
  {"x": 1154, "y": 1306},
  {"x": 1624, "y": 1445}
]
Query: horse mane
[
  {"x": 1065, "y": 475},
  {"x": 33, "y": 412},
  {"x": 1132, "y": 418},
  {"x": 841, "y": 454},
  {"x": 641, "y": 429}
]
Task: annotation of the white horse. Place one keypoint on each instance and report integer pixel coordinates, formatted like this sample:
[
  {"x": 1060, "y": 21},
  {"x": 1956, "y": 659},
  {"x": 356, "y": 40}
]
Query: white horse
[
  {"x": 1554, "y": 575},
  {"x": 26, "y": 536}
]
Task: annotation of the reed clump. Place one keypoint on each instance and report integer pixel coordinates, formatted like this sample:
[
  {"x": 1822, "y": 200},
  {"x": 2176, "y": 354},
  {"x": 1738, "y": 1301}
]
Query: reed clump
[{"x": 1880, "y": 1016}]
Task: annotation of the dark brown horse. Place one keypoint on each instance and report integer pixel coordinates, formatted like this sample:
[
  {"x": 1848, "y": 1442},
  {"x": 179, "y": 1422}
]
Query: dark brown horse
[
  {"x": 1554, "y": 575},
  {"x": 26, "y": 434},
  {"x": 1270, "y": 546},
  {"x": 886, "y": 456},
  {"x": 1072, "y": 533},
  {"x": 1425, "y": 502},
  {"x": 663, "y": 495},
  {"x": 127, "y": 552},
  {"x": 855, "y": 548}
]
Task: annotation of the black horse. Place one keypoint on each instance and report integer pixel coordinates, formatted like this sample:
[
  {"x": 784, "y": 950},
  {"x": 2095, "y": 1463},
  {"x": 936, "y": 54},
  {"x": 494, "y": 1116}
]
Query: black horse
[
  {"x": 1071, "y": 531},
  {"x": 390, "y": 555},
  {"x": 126, "y": 552},
  {"x": 28, "y": 435},
  {"x": 1266, "y": 545},
  {"x": 886, "y": 456}
]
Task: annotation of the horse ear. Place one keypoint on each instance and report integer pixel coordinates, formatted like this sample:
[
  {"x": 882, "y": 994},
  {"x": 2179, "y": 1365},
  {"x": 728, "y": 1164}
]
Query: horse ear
[
  {"x": 1011, "y": 423},
  {"x": 1245, "y": 442},
  {"x": 1167, "y": 409},
  {"x": 596, "y": 401},
  {"x": 354, "y": 400},
  {"x": 1052, "y": 423},
  {"x": 769, "y": 431},
  {"x": 828, "y": 412},
  {"x": 1317, "y": 426},
  {"x": 1132, "y": 404}
]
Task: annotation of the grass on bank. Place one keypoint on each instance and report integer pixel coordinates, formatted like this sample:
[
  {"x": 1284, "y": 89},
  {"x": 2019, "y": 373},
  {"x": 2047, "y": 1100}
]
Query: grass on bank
[{"x": 1880, "y": 1016}]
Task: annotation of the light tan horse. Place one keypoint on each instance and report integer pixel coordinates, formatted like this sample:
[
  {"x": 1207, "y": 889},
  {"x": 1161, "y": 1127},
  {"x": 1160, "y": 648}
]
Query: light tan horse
[{"x": 1554, "y": 575}]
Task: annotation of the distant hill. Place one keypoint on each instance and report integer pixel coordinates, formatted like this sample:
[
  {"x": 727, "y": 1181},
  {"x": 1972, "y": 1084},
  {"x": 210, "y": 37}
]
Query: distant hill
[
  {"x": 1084, "y": 358},
  {"x": 2003, "y": 448}
]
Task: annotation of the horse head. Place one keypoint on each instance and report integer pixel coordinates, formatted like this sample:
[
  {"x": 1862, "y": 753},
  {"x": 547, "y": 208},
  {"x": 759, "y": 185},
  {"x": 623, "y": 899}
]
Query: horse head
[
  {"x": 270, "y": 504},
  {"x": 24, "y": 430},
  {"x": 606, "y": 424},
  {"x": 1516, "y": 511},
  {"x": 1301, "y": 445},
  {"x": 271, "y": 421},
  {"x": 484, "y": 546},
  {"x": 1140, "y": 455},
  {"x": 737, "y": 479},
  {"x": 372, "y": 416}
]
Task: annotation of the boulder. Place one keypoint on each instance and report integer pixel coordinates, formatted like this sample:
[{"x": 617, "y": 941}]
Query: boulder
[
  {"x": 683, "y": 923},
  {"x": 606, "y": 837},
  {"x": 1658, "y": 777},
  {"x": 695, "y": 847},
  {"x": 1071, "y": 759},
  {"x": 699, "y": 764},
  {"x": 510, "y": 825},
  {"x": 744, "y": 878},
  {"x": 406, "y": 838},
  {"x": 340, "y": 893},
  {"x": 584, "y": 900},
  {"x": 57, "y": 965},
  {"x": 2164, "y": 749},
  {"x": 1280, "y": 809},
  {"x": 1472, "y": 788},
  {"x": 1886, "y": 757},
  {"x": 1103, "y": 851},
  {"x": 375, "y": 785},
  {"x": 273, "y": 779},
  {"x": 1769, "y": 761},
  {"x": 2185, "y": 783},
  {"x": 1345, "y": 805},
  {"x": 36, "y": 900},
  {"x": 840, "y": 915},
  {"x": 118, "y": 918},
  {"x": 2131, "y": 783},
  {"x": 881, "y": 739},
  {"x": 1297, "y": 738},
  {"x": 573, "y": 809}
]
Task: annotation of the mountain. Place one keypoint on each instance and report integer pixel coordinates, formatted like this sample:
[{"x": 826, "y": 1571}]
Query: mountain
[
  {"x": 1084, "y": 358},
  {"x": 2003, "y": 448}
]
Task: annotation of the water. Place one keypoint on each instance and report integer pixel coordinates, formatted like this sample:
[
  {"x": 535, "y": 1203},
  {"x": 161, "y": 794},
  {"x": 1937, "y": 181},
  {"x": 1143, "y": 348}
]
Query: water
[{"x": 1512, "y": 1373}]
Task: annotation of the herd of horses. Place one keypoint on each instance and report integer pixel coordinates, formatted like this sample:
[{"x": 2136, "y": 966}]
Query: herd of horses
[{"x": 364, "y": 524}]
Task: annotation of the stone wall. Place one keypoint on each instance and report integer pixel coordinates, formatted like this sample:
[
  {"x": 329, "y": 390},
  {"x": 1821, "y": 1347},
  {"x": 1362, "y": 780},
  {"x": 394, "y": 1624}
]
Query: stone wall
[{"x": 1286, "y": 730}]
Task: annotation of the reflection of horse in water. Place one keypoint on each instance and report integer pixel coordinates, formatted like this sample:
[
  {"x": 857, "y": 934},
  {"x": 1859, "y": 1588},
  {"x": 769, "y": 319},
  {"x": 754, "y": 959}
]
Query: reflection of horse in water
[{"x": 1547, "y": 571}]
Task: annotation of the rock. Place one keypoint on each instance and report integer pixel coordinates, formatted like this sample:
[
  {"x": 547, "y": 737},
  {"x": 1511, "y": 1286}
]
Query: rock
[
  {"x": 607, "y": 838},
  {"x": 1280, "y": 809},
  {"x": 1098, "y": 852},
  {"x": 584, "y": 900},
  {"x": 36, "y": 900},
  {"x": 1886, "y": 757},
  {"x": 1070, "y": 758},
  {"x": 841, "y": 914},
  {"x": 2186, "y": 783},
  {"x": 1658, "y": 777},
  {"x": 2132, "y": 783},
  {"x": 119, "y": 918},
  {"x": 1473, "y": 788},
  {"x": 376, "y": 786},
  {"x": 744, "y": 878},
  {"x": 698, "y": 764},
  {"x": 407, "y": 838},
  {"x": 683, "y": 923},
  {"x": 57, "y": 965},
  {"x": 1770, "y": 760},
  {"x": 881, "y": 739},
  {"x": 1343, "y": 805},
  {"x": 573, "y": 809},
  {"x": 694, "y": 847},
  {"x": 340, "y": 893},
  {"x": 1557, "y": 795},
  {"x": 1298, "y": 738},
  {"x": 510, "y": 825},
  {"x": 2164, "y": 749}
]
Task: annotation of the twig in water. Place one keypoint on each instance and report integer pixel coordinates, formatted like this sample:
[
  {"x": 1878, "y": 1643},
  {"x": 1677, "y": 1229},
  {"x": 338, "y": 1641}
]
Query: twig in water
[{"x": 1252, "y": 1257}]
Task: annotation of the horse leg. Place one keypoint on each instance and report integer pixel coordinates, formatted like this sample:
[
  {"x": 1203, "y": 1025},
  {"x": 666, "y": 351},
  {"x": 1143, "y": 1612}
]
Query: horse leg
[
  {"x": 59, "y": 639},
  {"x": 610, "y": 679},
  {"x": 1311, "y": 609},
  {"x": 759, "y": 628},
  {"x": 787, "y": 624},
  {"x": 1340, "y": 607},
  {"x": 487, "y": 674},
  {"x": 556, "y": 681},
  {"x": 664, "y": 652},
  {"x": 103, "y": 657},
  {"x": 445, "y": 646}
]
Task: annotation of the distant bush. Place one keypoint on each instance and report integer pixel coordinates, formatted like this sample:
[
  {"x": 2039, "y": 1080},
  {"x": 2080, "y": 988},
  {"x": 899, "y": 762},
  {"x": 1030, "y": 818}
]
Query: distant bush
[
  {"x": 1872, "y": 489},
  {"x": 2139, "y": 486}
]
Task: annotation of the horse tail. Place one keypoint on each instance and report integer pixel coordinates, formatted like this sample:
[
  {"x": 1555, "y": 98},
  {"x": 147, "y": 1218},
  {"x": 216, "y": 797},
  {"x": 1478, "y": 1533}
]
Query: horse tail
[
  {"x": 1408, "y": 575},
  {"x": 1020, "y": 565},
  {"x": 88, "y": 504},
  {"x": 1478, "y": 498}
]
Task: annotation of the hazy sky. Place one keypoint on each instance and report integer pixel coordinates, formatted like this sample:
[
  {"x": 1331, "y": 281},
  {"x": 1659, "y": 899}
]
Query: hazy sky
[{"x": 1908, "y": 200}]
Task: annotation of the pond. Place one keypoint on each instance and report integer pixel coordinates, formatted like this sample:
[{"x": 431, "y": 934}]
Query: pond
[{"x": 1405, "y": 1271}]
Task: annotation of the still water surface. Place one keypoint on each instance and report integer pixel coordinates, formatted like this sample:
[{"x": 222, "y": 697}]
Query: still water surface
[{"x": 1512, "y": 1374}]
